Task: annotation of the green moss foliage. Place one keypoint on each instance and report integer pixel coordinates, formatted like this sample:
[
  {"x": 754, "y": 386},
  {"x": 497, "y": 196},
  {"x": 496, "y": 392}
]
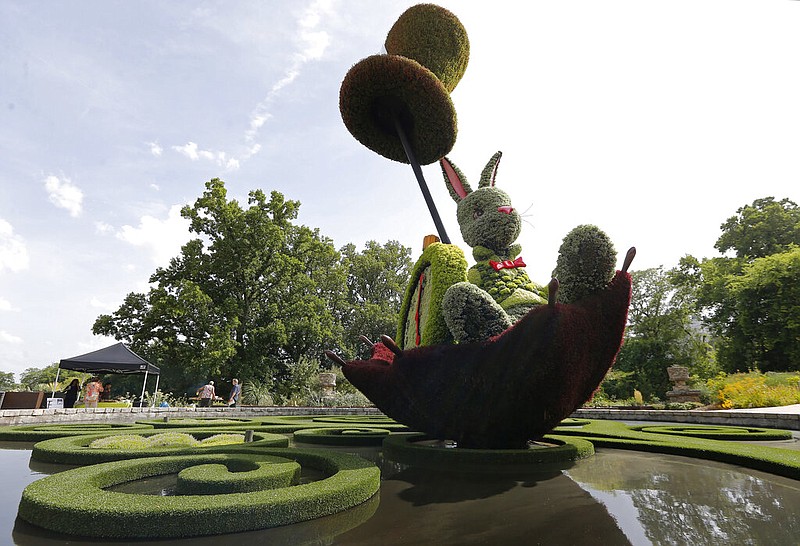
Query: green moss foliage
[
  {"x": 416, "y": 449},
  {"x": 75, "y": 501},
  {"x": 382, "y": 88},
  {"x": 445, "y": 265},
  {"x": 342, "y": 436},
  {"x": 435, "y": 38},
  {"x": 586, "y": 263},
  {"x": 784, "y": 462},
  {"x": 76, "y": 450},
  {"x": 472, "y": 315}
]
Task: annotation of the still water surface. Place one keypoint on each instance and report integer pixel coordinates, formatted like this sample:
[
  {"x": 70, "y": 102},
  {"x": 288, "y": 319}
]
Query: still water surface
[{"x": 615, "y": 497}]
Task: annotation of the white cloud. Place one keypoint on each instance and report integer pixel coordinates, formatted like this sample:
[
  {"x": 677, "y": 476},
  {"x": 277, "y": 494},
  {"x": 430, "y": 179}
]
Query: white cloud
[
  {"x": 102, "y": 227},
  {"x": 193, "y": 152},
  {"x": 5, "y": 337},
  {"x": 64, "y": 194},
  {"x": 313, "y": 42},
  {"x": 155, "y": 187},
  {"x": 155, "y": 148},
  {"x": 13, "y": 252},
  {"x": 163, "y": 238},
  {"x": 6, "y": 305}
]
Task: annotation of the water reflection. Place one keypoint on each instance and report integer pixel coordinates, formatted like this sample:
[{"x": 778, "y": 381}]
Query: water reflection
[
  {"x": 677, "y": 500},
  {"x": 616, "y": 497}
]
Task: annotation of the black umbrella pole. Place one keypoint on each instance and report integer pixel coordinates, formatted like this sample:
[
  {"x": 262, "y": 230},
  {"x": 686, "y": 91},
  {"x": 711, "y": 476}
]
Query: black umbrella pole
[{"x": 421, "y": 180}]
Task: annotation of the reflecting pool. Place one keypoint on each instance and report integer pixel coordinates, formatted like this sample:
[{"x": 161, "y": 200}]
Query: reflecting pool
[{"x": 615, "y": 497}]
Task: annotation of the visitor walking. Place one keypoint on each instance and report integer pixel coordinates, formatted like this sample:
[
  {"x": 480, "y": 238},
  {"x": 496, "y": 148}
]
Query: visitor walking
[
  {"x": 206, "y": 394},
  {"x": 71, "y": 393},
  {"x": 93, "y": 390},
  {"x": 236, "y": 390}
]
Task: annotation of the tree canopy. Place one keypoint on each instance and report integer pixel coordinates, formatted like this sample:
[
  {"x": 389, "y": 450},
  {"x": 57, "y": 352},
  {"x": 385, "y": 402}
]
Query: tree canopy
[
  {"x": 252, "y": 294},
  {"x": 663, "y": 331},
  {"x": 750, "y": 301}
]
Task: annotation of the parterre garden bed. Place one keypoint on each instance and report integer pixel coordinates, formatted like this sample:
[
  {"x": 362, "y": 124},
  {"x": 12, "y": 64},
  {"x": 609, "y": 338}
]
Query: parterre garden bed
[{"x": 238, "y": 486}]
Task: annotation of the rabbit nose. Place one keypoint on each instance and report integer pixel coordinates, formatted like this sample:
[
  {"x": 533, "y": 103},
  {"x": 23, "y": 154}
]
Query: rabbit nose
[{"x": 505, "y": 209}]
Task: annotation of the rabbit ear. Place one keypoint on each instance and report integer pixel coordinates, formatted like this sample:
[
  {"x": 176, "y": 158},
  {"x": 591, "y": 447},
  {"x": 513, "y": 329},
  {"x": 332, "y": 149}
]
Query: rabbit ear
[
  {"x": 490, "y": 171},
  {"x": 455, "y": 180}
]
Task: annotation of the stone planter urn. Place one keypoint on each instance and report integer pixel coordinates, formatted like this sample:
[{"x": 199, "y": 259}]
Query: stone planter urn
[
  {"x": 680, "y": 392},
  {"x": 327, "y": 381}
]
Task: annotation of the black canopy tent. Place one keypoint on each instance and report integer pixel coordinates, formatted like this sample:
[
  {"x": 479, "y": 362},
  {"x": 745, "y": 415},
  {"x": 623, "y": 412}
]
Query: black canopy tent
[{"x": 114, "y": 359}]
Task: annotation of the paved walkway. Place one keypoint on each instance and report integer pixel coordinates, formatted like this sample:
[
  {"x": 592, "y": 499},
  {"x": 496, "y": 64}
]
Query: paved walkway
[{"x": 784, "y": 410}]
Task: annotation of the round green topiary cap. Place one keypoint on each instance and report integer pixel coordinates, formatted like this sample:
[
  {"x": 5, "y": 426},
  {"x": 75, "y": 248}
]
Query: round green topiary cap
[
  {"x": 435, "y": 38},
  {"x": 382, "y": 88}
]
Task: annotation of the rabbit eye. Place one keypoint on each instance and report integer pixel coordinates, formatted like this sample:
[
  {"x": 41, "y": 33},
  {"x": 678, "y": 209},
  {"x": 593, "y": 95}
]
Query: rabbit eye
[{"x": 477, "y": 213}]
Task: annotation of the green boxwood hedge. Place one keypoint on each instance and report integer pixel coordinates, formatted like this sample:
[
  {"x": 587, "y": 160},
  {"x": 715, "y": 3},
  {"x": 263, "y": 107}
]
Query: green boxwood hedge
[
  {"x": 79, "y": 501},
  {"x": 412, "y": 449},
  {"x": 36, "y": 433},
  {"x": 784, "y": 462},
  {"x": 342, "y": 436},
  {"x": 76, "y": 450}
]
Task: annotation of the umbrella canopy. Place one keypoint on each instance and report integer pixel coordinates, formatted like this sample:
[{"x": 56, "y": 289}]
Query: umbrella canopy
[{"x": 115, "y": 359}]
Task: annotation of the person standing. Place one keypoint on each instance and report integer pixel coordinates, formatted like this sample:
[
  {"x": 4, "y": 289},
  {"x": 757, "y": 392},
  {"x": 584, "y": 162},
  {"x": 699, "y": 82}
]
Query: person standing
[
  {"x": 206, "y": 394},
  {"x": 93, "y": 390},
  {"x": 71, "y": 393},
  {"x": 236, "y": 390}
]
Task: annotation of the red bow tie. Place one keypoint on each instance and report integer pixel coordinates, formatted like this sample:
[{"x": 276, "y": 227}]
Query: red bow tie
[{"x": 507, "y": 264}]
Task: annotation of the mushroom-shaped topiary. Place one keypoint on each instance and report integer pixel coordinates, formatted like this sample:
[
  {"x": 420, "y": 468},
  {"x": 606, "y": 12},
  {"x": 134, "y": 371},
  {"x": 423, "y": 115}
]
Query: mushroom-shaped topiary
[
  {"x": 383, "y": 90},
  {"x": 435, "y": 38}
]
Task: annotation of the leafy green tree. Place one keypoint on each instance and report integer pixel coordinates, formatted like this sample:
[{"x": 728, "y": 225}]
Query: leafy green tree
[
  {"x": 34, "y": 379},
  {"x": 767, "y": 312},
  {"x": 7, "y": 382},
  {"x": 376, "y": 281},
  {"x": 246, "y": 298},
  {"x": 748, "y": 301},
  {"x": 761, "y": 229},
  {"x": 662, "y": 331}
]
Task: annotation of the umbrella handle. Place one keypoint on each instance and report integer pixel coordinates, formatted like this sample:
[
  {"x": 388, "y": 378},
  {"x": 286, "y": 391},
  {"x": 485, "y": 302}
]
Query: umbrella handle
[{"x": 421, "y": 180}]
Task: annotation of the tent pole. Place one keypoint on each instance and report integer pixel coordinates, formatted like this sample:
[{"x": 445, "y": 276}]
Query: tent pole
[
  {"x": 155, "y": 392},
  {"x": 144, "y": 384},
  {"x": 58, "y": 371}
]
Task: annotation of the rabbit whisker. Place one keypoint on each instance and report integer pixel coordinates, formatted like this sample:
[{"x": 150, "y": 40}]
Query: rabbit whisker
[{"x": 526, "y": 210}]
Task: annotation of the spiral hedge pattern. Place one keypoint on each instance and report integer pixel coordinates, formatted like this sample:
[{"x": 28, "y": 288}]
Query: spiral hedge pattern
[
  {"x": 717, "y": 432},
  {"x": 76, "y": 500}
]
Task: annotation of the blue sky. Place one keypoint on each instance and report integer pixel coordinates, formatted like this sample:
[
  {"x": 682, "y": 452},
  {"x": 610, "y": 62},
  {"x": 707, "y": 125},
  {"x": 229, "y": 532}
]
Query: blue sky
[{"x": 654, "y": 120}]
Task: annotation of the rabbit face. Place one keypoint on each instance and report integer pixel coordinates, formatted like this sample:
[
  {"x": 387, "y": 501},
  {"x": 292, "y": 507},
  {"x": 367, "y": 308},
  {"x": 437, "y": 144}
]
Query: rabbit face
[{"x": 487, "y": 219}]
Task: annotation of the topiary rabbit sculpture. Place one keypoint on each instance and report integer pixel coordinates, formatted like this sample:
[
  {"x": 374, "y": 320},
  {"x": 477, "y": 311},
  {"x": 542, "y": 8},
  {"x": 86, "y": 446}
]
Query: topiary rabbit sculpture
[{"x": 499, "y": 291}]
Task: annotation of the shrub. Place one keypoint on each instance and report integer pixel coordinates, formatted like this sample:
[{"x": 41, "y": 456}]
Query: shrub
[
  {"x": 74, "y": 501},
  {"x": 755, "y": 390}
]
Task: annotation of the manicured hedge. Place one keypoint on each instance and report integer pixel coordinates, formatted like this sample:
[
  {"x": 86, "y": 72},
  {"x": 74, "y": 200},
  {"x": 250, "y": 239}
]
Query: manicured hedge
[
  {"x": 78, "y": 501},
  {"x": 342, "y": 436},
  {"x": 784, "y": 462},
  {"x": 36, "y": 433},
  {"x": 717, "y": 432},
  {"x": 76, "y": 450},
  {"x": 410, "y": 449},
  {"x": 186, "y": 422},
  {"x": 243, "y": 474}
]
